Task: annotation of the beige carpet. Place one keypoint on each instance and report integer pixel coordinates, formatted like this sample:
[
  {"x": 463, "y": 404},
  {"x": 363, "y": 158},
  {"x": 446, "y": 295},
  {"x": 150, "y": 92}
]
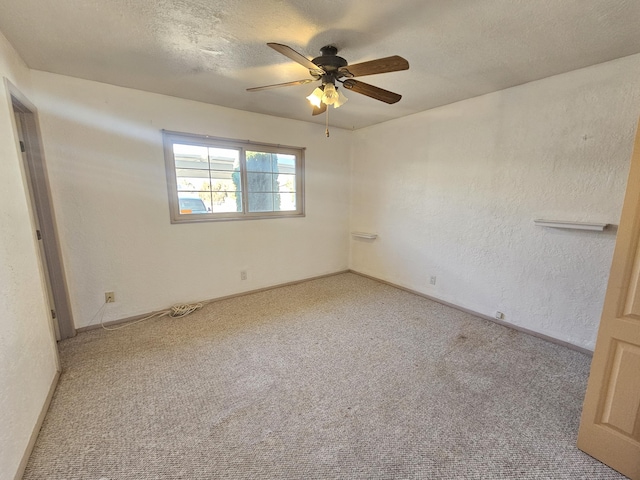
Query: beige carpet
[{"x": 341, "y": 377}]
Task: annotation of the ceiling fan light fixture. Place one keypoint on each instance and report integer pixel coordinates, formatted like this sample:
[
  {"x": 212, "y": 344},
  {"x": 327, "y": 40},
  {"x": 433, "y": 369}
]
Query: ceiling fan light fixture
[
  {"x": 315, "y": 98},
  {"x": 330, "y": 95},
  {"x": 341, "y": 100},
  {"x": 329, "y": 68}
]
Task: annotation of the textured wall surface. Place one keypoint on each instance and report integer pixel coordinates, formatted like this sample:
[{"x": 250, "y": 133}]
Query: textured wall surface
[
  {"x": 453, "y": 193},
  {"x": 27, "y": 348},
  {"x": 107, "y": 172}
]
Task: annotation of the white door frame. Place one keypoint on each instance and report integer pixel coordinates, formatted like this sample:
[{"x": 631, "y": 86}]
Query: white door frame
[{"x": 38, "y": 183}]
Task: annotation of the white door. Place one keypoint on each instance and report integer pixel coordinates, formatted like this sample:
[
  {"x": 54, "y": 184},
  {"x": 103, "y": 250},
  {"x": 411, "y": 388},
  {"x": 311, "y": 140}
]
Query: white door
[{"x": 610, "y": 425}]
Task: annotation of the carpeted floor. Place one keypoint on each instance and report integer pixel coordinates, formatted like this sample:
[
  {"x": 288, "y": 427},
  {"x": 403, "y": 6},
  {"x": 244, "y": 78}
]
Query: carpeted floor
[{"x": 336, "y": 378}]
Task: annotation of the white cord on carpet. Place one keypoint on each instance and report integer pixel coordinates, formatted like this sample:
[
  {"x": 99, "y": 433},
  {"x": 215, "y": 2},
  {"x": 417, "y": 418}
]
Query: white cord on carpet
[
  {"x": 176, "y": 311},
  {"x": 184, "y": 309}
]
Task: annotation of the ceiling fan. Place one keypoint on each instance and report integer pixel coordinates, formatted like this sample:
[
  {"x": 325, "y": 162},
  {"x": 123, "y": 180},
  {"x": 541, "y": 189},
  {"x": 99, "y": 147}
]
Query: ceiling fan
[{"x": 331, "y": 69}]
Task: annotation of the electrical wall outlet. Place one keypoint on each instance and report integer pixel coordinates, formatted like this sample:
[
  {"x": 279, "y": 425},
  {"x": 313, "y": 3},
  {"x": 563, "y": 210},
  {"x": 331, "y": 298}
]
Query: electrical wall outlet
[
  {"x": 243, "y": 275},
  {"x": 109, "y": 297},
  {"x": 500, "y": 315},
  {"x": 432, "y": 280}
]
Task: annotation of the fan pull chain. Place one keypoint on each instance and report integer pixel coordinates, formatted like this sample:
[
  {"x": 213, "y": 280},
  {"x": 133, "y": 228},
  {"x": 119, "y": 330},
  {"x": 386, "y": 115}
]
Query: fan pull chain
[{"x": 327, "y": 130}]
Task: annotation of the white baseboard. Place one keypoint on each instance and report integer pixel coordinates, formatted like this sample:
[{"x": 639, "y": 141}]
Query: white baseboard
[
  {"x": 217, "y": 299},
  {"x": 36, "y": 427},
  {"x": 478, "y": 314},
  {"x": 415, "y": 292}
]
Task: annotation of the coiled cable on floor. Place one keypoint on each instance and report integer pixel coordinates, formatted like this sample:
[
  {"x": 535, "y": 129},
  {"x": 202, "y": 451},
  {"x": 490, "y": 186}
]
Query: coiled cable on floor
[
  {"x": 176, "y": 311},
  {"x": 184, "y": 309}
]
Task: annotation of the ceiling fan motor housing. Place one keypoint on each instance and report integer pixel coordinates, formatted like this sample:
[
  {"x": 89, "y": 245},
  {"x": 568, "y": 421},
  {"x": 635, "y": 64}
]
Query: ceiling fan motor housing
[{"x": 330, "y": 62}]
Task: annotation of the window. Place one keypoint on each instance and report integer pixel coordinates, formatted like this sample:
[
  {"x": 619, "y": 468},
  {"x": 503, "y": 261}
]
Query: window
[{"x": 213, "y": 179}]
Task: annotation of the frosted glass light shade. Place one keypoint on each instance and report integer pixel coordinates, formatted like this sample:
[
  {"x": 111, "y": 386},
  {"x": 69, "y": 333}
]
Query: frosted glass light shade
[
  {"x": 330, "y": 95},
  {"x": 341, "y": 100},
  {"x": 316, "y": 97}
]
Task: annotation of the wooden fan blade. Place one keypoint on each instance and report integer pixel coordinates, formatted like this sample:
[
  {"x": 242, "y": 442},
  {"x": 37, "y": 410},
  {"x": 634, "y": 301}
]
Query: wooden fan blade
[
  {"x": 318, "y": 110},
  {"x": 371, "y": 91},
  {"x": 295, "y": 56},
  {"x": 381, "y": 65},
  {"x": 276, "y": 85}
]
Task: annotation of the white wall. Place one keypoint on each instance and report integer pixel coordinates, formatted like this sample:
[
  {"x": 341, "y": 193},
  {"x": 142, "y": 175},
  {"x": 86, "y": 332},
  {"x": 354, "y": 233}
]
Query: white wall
[
  {"x": 453, "y": 193},
  {"x": 27, "y": 347},
  {"x": 106, "y": 165}
]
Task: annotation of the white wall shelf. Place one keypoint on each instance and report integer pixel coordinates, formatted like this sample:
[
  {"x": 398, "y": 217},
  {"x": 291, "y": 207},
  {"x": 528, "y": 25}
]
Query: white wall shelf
[
  {"x": 368, "y": 236},
  {"x": 597, "y": 227}
]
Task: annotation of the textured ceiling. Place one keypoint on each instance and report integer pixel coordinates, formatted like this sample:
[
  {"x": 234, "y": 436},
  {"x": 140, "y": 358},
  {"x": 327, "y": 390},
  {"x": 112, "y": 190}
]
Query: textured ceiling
[{"x": 211, "y": 51}]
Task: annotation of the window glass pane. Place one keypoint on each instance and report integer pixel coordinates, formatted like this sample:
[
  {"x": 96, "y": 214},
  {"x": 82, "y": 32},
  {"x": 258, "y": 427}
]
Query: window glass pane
[
  {"x": 261, "y": 189},
  {"x": 190, "y": 156},
  {"x": 222, "y": 181},
  {"x": 224, "y": 159},
  {"x": 287, "y": 202},
  {"x": 261, "y": 182},
  {"x": 285, "y": 183},
  {"x": 193, "y": 180},
  {"x": 265, "y": 188},
  {"x": 260, "y": 161},
  {"x": 224, "y": 196},
  {"x": 225, "y": 202},
  {"x": 261, "y": 202},
  {"x": 285, "y": 163},
  {"x": 225, "y": 179}
]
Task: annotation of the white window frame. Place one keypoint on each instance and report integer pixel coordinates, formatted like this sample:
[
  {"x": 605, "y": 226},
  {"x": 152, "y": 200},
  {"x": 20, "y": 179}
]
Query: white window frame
[{"x": 170, "y": 138}]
